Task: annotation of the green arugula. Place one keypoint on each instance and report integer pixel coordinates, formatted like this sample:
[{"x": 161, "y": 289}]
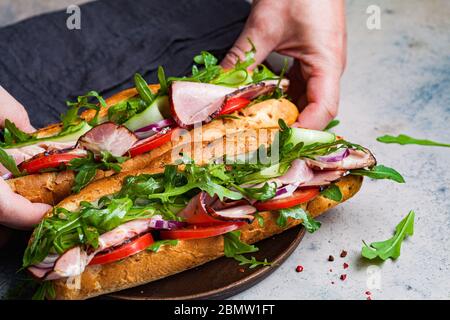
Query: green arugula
[
  {"x": 266, "y": 192},
  {"x": 298, "y": 213},
  {"x": 379, "y": 172},
  {"x": 332, "y": 124},
  {"x": 72, "y": 118},
  {"x": 14, "y": 135},
  {"x": 124, "y": 110},
  {"x": 260, "y": 219},
  {"x": 333, "y": 193},
  {"x": 390, "y": 248},
  {"x": 404, "y": 139},
  {"x": 235, "y": 248},
  {"x": 155, "y": 246},
  {"x": 144, "y": 91},
  {"x": 45, "y": 290},
  {"x": 9, "y": 163},
  {"x": 86, "y": 168}
]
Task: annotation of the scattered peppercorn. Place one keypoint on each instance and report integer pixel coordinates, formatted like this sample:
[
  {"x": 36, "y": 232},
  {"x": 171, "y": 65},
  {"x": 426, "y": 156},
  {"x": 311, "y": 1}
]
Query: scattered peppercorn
[
  {"x": 343, "y": 254},
  {"x": 332, "y": 282},
  {"x": 368, "y": 293},
  {"x": 369, "y": 298},
  {"x": 345, "y": 265},
  {"x": 299, "y": 269},
  {"x": 330, "y": 258},
  {"x": 331, "y": 270},
  {"x": 343, "y": 277}
]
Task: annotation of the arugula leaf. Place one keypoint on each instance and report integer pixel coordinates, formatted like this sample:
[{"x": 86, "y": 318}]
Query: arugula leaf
[
  {"x": 332, "y": 124},
  {"x": 298, "y": 213},
  {"x": 261, "y": 73},
  {"x": 163, "y": 89},
  {"x": 86, "y": 168},
  {"x": 260, "y": 219},
  {"x": 390, "y": 248},
  {"x": 45, "y": 290},
  {"x": 404, "y": 139},
  {"x": 14, "y": 134},
  {"x": 9, "y": 163},
  {"x": 266, "y": 192},
  {"x": 234, "y": 248},
  {"x": 124, "y": 110},
  {"x": 109, "y": 217},
  {"x": 71, "y": 118},
  {"x": 333, "y": 193},
  {"x": 142, "y": 88},
  {"x": 379, "y": 172},
  {"x": 155, "y": 246}
]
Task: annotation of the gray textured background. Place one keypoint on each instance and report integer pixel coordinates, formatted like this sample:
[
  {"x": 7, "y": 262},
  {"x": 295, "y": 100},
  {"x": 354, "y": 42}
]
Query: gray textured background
[{"x": 397, "y": 81}]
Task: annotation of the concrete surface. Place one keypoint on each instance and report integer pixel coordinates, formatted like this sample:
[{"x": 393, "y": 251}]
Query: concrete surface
[{"x": 397, "y": 81}]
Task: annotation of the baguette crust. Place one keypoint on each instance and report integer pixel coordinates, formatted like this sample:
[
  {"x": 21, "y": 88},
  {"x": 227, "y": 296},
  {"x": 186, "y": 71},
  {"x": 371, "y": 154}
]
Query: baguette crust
[
  {"x": 146, "y": 267},
  {"x": 52, "y": 187}
]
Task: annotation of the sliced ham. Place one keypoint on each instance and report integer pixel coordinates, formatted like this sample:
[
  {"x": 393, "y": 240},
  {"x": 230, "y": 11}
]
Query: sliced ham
[
  {"x": 39, "y": 273},
  {"x": 237, "y": 213},
  {"x": 71, "y": 263},
  {"x": 355, "y": 160},
  {"x": 299, "y": 172},
  {"x": 109, "y": 137},
  {"x": 194, "y": 102},
  {"x": 323, "y": 178}
]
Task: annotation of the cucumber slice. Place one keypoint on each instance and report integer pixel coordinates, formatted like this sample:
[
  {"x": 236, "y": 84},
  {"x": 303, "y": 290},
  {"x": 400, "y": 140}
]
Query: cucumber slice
[
  {"x": 309, "y": 137},
  {"x": 76, "y": 133},
  {"x": 152, "y": 114}
]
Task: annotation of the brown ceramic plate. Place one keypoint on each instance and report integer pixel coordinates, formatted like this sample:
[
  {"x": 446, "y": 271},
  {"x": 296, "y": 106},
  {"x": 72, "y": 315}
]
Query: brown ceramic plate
[{"x": 221, "y": 278}]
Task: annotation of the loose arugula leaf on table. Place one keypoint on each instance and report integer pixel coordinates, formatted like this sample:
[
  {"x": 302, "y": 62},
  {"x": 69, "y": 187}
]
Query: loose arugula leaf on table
[
  {"x": 155, "y": 246},
  {"x": 379, "y": 172},
  {"x": 235, "y": 248},
  {"x": 9, "y": 163},
  {"x": 404, "y": 140},
  {"x": 332, "y": 124},
  {"x": 390, "y": 248},
  {"x": 332, "y": 192},
  {"x": 72, "y": 118},
  {"x": 298, "y": 213}
]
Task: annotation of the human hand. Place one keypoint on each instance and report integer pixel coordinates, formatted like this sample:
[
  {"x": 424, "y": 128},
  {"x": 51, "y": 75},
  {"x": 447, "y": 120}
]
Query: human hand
[
  {"x": 314, "y": 34},
  {"x": 11, "y": 109},
  {"x": 16, "y": 211}
]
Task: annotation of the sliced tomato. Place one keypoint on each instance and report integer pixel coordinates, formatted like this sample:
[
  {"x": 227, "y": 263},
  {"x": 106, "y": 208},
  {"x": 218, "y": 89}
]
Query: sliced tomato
[
  {"x": 41, "y": 162},
  {"x": 195, "y": 232},
  {"x": 298, "y": 197},
  {"x": 151, "y": 143},
  {"x": 234, "y": 104},
  {"x": 139, "y": 244}
]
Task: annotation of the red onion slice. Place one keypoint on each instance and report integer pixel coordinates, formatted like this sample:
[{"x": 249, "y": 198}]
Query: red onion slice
[
  {"x": 286, "y": 191},
  {"x": 157, "y": 126},
  {"x": 335, "y": 156},
  {"x": 166, "y": 224},
  {"x": 7, "y": 176}
]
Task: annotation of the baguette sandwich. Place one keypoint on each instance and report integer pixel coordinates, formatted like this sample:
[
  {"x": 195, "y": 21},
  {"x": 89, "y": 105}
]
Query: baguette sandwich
[
  {"x": 143, "y": 225},
  {"x": 132, "y": 128}
]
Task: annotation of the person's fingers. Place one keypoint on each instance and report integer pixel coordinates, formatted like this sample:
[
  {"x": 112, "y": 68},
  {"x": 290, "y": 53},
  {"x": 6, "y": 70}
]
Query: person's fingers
[
  {"x": 18, "y": 212},
  {"x": 322, "y": 94},
  {"x": 13, "y": 110}
]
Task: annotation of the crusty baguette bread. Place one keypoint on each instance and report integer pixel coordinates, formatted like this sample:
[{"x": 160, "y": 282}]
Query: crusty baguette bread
[
  {"x": 146, "y": 266},
  {"x": 52, "y": 187}
]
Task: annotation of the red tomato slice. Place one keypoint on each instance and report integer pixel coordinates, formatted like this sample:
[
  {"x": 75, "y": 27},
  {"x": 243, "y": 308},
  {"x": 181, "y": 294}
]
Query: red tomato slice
[
  {"x": 151, "y": 143},
  {"x": 298, "y": 197},
  {"x": 126, "y": 250},
  {"x": 196, "y": 232},
  {"x": 234, "y": 104},
  {"x": 42, "y": 162}
]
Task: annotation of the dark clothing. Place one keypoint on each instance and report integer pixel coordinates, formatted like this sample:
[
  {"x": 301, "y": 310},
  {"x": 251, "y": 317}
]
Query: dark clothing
[{"x": 43, "y": 63}]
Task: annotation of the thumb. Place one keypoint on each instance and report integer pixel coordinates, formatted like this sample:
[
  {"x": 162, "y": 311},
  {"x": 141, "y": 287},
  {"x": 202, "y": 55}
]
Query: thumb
[
  {"x": 264, "y": 46},
  {"x": 13, "y": 110},
  {"x": 322, "y": 94},
  {"x": 18, "y": 212}
]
